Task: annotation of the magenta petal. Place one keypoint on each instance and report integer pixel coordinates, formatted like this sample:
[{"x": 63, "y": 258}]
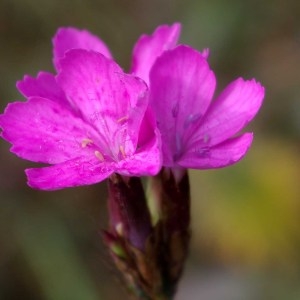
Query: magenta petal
[
  {"x": 181, "y": 88},
  {"x": 44, "y": 86},
  {"x": 113, "y": 102},
  {"x": 148, "y": 128},
  {"x": 145, "y": 162},
  {"x": 205, "y": 53},
  {"x": 72, "y": 38},
  {"x": 230, "y": 112},
  {"x": 222, "y": 155},
  {"x": 149, "y": 47},
  {"x": 44, "y": 131},
  {"x": 76, "y": 172}
]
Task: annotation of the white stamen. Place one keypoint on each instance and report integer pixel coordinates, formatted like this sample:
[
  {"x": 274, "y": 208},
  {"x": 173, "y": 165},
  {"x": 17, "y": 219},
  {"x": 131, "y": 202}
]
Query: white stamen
[
  {"x": 122, "y": 151},
  {"x": 99, "y": 155},
  {"x": 125, "y": 118},
  {"x": 86, "y": 142}
]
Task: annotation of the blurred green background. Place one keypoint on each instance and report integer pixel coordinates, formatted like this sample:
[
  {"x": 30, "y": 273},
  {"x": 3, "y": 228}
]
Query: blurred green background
[{"x": 246, "y": 225}]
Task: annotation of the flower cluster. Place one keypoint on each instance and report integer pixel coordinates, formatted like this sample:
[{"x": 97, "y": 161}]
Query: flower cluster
[{"x": 91, "y": 119}]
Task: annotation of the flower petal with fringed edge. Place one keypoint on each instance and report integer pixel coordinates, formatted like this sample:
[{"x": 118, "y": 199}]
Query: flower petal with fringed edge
[
  {"x": 197, "y": 133},
  {"x": 87, "y": 127}
]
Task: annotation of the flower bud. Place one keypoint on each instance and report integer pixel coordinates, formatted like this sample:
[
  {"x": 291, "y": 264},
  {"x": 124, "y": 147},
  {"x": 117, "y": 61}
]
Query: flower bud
[{"x": 128, "y": 211}]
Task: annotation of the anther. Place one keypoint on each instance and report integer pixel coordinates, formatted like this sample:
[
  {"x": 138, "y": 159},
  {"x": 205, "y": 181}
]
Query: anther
[
  {"x": 125, "y": 118},
  {"x": 86, "y": 142},
  {"x": 121, "y": 148},
  {"x": 99, "y": 155}
]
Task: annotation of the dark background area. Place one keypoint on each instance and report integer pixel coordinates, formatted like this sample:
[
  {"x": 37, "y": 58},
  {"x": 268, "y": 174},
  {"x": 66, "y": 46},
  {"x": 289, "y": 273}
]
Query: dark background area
[{"x": 246, "y": 227}]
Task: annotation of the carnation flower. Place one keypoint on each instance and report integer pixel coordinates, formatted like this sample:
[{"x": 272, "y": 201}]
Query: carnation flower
[
  {"x": 87, "y": 122},
  {"x": 197, "y": 133},
  {"x": 92, "y": 119}
]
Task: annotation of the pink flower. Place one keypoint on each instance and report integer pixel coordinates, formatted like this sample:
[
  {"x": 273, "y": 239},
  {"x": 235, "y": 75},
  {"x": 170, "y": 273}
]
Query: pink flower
[
  {"x": 92, "y": 119},
  {"x": 87, "y": 123},
  {"x": 197, "y": 133}
]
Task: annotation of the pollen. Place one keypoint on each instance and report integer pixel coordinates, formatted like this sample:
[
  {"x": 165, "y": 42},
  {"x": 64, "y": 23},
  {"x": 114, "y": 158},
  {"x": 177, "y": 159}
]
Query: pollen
[
  {"x": 86, "y": 142},
  {"x": 122, "y": 151},
  {"x": 122, "y": 119},
  {"x": 99, "y": 155}
]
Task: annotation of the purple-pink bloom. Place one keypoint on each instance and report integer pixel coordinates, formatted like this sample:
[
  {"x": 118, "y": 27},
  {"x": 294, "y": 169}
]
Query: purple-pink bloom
[
  {"x": 197, "y": 133},
  {"x": 92, "y": 119},
  {"x": 87, "y": 122}
]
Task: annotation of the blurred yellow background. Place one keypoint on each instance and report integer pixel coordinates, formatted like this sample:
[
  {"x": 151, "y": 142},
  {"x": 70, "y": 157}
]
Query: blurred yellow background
[{"x": 246, "y": 225}]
